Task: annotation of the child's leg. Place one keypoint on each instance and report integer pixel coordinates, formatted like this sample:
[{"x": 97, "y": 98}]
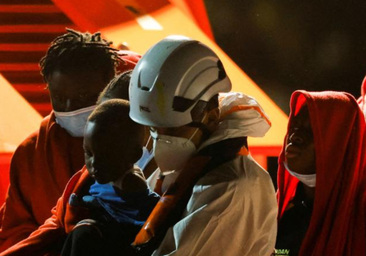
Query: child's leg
[
  {"x": 90, "y": 238},
  {"x": 85, "y": 239}
]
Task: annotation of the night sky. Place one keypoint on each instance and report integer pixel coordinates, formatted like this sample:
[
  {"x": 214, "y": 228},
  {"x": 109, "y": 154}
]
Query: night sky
[{"x": 286, "y": 45}]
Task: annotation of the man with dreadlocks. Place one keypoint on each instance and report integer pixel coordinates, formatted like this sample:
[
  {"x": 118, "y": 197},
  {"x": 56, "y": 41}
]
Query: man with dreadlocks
[{"x": 76, "y": 68}]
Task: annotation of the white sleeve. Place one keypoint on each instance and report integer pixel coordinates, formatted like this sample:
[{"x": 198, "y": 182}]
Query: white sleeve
[{"x": 227, "y": 214}]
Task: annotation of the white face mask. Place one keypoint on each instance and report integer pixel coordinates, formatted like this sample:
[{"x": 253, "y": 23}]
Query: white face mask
[
  {"x": 145, "y": 158},
  {"x": 74, "y": 122},
  {"x": 172, "y": 153},
  {"x": 308, "y": 179}
]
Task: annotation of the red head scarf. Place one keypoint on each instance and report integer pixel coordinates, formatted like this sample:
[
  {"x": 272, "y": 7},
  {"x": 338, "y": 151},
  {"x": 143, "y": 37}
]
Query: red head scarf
[{"x": 339, "y": 138}]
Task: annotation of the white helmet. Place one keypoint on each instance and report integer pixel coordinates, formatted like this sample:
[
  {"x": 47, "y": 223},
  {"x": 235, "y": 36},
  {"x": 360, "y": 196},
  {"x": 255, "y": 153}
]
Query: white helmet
[{"x": 171, "y": 78}]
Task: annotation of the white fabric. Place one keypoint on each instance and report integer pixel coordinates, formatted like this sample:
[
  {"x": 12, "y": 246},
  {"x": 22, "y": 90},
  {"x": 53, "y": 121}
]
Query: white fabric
[
  {"x": 247, "y": 122},
  {"x": 233, "y": 208}
]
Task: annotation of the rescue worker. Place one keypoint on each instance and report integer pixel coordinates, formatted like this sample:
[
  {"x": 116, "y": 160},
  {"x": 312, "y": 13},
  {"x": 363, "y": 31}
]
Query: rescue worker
[{"x": 216, "y": 200}]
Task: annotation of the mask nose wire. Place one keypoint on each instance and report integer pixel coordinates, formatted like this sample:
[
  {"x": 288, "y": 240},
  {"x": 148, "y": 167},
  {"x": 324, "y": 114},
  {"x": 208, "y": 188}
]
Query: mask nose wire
[
  {"x": 155, "y": 136},
  {"x": 199, "y": 126}
]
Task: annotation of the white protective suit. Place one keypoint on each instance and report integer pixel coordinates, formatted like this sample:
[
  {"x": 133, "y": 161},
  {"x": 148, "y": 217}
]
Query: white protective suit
[{"x": 233, "y": 208}]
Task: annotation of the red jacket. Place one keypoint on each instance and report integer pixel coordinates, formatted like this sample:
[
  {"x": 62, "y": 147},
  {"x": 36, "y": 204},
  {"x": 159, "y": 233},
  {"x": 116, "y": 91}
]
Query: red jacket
[
  {"x": 64, "y": 218},
  {"x": 40, "y": 168},
  {"x": 337, "y": 225}
]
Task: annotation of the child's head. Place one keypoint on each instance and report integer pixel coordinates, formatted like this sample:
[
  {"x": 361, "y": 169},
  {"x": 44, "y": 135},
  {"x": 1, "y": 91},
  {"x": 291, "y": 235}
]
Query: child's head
[
  {"x": 117, "y": 88},
  {"x": 112, "y": 141}
]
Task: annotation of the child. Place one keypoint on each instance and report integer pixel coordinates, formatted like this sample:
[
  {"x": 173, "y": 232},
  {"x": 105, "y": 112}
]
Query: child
[
  {"x": 109, "y": 216},
  {"x": 118, "y": 89}
]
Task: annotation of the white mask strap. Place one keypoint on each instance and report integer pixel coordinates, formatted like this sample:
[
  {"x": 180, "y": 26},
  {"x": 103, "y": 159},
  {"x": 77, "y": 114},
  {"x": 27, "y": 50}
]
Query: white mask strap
[{"x": 308, "y": 179}]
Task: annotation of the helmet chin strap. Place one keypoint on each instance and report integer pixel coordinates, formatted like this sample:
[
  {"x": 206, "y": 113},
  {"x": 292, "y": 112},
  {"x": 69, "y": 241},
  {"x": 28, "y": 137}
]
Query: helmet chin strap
[
  {"x": 201, "y": 126},
  {"x": 204, "y": 129}
]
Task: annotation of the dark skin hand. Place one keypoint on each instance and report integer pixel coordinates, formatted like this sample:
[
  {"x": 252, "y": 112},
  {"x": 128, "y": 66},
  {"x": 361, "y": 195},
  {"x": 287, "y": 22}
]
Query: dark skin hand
[{"x": 134, "y": 182}]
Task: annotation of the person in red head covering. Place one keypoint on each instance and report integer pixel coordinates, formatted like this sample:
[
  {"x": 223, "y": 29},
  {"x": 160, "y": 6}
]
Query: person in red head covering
[
  {"x": 76, "y": 68},
  {"x": 321, "y": 167}
]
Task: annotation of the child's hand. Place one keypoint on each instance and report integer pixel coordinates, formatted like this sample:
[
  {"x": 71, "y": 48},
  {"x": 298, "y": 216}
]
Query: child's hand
[
  {"x": 134, "y": 182},
  {"x": 74, "y": 200},
  {"x": 86, "y": 201},
  {"x": 90, "y": 202}
]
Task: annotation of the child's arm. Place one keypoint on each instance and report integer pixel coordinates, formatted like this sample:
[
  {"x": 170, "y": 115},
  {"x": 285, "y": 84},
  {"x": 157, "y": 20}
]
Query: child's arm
[{"x": 134, "y": 182}]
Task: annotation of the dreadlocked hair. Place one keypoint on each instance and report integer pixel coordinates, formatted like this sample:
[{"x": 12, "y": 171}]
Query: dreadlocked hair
[{"x": 80, "y": 52}]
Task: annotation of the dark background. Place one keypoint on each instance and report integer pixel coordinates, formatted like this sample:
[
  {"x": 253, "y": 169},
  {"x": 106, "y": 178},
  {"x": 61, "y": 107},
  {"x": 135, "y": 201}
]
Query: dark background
[{"x": 285, "y": 45}]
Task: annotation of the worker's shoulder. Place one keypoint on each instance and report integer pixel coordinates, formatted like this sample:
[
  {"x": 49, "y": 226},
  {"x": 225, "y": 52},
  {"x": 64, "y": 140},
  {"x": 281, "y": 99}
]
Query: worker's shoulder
[
  {"x": 244, "y": 167},
  {"x": 251, "y": 168},
  {"x": 241, "y": 169}
]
